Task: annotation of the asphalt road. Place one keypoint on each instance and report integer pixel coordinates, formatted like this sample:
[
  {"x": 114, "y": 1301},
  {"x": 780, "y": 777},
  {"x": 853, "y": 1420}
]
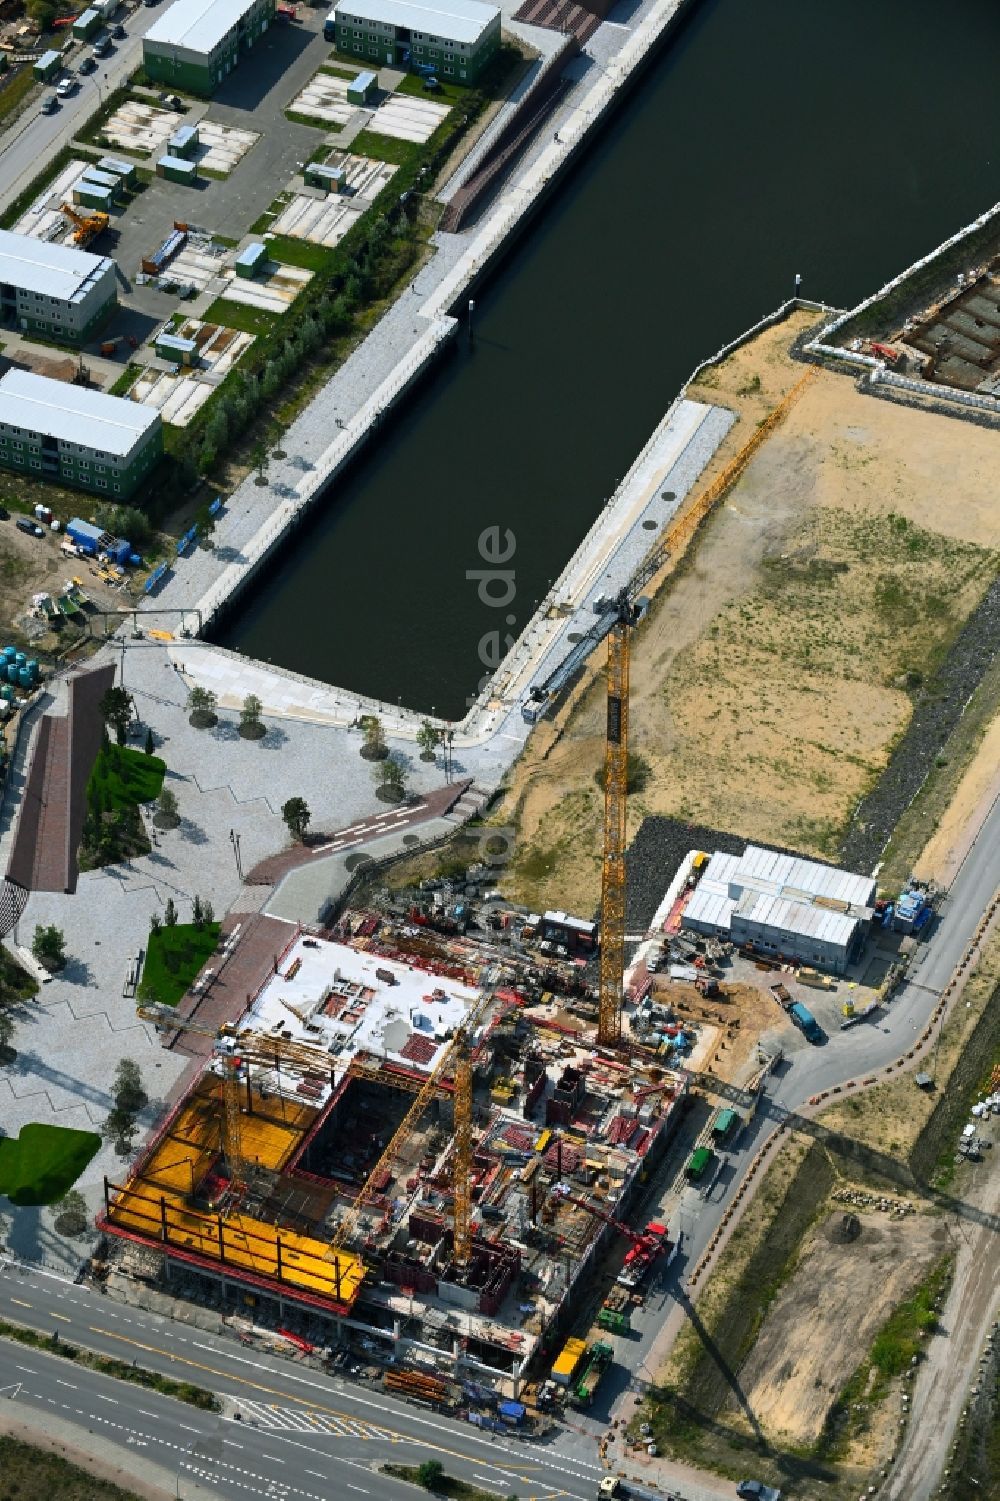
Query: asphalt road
[
  {"x": 34, "y": 139},
  {"x": 300, "y": 1433}
]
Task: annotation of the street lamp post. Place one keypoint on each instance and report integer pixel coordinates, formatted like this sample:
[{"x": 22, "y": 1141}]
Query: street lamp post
[{"x": 234, "y": 840}]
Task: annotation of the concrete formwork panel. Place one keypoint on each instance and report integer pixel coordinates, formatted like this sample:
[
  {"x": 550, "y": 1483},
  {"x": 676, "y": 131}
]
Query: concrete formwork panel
[
  {"x": 273, "y": 293},
  {"x": 323, "y": 221},
  {"x": 324, "y": 98},
  {"x": 408, "y": 119}
]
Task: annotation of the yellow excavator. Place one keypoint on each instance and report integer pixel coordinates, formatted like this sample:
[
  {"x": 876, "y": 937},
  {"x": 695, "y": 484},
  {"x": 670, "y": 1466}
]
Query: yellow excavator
[{"x": 85, "y": 228}]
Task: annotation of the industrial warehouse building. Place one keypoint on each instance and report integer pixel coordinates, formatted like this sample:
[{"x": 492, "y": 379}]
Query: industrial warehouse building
[
  {"x": 195, "y": 44},
  {"x": 54, "y": 290},
  {"x": 784, "y": 905},
  {"x": 456, "y": 38},
  {"x": 78, "y": 437}
]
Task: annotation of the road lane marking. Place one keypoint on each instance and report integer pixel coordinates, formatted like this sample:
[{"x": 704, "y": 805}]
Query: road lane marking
[
  {"x": 315, "y": 1473},
  {"x": 66, "y": 1383},
  {"x": 102, "y": 1398},
  {"x": 62, "y": 1316},
  {"x": 486, "y": 1481},
  {"x": 20, "y": 1302},
  {"x": 356, "y": 1488}
]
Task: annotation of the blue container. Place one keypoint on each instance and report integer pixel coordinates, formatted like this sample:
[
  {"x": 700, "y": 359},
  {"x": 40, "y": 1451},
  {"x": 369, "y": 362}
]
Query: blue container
[
  {"x": 9, "y": 653},
  {"x": 20, "y": 658},
  {"x": 24, "y": 678},
  {"x": 7, "y": 692},
  {"x": 12, "y": 671},
  {"x": 32, "y": 666}
]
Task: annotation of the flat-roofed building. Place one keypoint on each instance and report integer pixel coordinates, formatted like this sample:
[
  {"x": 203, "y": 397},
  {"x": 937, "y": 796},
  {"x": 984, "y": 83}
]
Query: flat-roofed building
[
  {"x": 784, "y": 906},
  {"x": 195, "y": 44},
  {"x": 54, "y": 290},
  {"x": 95, "y": 442},
  {"x": 456, "y": 38}
]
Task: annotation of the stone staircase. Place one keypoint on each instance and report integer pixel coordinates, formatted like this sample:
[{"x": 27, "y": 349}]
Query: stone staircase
[{"x": 468, "y": 805}]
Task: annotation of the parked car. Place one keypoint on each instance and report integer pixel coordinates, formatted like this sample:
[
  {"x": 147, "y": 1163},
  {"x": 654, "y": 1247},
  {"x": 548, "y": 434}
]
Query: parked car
[
  {"x": 31, "y": 527},
  {"x": 756, "y": 1490},
  {"x": 65, "y": 87},
  {"x": 87, "y": 65},
  {"x": 50, "y": 104},
  {"x": 118, "y": 31},
  {"x": 102, "y": 46}
]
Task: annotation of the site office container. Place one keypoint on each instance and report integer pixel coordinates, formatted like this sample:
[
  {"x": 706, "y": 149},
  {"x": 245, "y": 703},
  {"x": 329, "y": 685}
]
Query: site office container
[
  {"x": 568, "y": 1362},
  {"x": 47, "y": 66}
]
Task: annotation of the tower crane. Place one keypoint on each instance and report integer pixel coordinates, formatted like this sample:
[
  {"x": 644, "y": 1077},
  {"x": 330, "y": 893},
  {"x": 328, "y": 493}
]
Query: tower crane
[
  {"x": 456, "y": 1059},
  {"x": 617, "y": 614}
]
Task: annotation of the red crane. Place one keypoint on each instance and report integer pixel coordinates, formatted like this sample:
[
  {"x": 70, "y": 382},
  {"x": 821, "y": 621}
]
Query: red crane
[{"x": 645, "y": 1245}]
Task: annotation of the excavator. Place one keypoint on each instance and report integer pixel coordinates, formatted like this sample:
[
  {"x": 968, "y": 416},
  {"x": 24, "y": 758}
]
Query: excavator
[{"x": 85, "y": 227}]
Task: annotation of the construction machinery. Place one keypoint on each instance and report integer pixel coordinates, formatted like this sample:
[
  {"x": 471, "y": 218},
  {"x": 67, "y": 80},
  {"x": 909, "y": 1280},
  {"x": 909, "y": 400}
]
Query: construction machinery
[
  {"x": 617, "y": 616},
  {"x": 86, "y": 227},
  {"x": 645, "y": 1246}
]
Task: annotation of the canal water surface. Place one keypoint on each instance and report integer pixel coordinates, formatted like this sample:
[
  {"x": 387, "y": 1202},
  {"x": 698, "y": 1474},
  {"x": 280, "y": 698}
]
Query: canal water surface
[{"x": 836, "y": 138}]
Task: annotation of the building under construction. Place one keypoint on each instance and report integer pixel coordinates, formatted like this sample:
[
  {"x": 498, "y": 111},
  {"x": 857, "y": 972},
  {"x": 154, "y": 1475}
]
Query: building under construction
[{"x": 405, "y": 1142}]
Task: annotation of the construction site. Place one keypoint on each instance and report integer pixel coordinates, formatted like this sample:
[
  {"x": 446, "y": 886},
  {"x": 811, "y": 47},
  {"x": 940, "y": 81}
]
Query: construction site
[{"x": 398, "y": 1136}]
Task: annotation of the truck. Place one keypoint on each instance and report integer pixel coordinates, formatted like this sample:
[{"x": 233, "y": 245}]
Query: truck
[
  {"x": 805, "y": 1021},
  {"x": 615, "y": 1313},
  {"x": 599, "y": 1357},
  {"x": 568, "y": 1362},
  {"x": 781, "y": 995}
]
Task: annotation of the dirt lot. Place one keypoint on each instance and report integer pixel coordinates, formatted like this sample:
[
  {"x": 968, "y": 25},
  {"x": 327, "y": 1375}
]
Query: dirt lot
[
  {"x": 836, "y": 1301},
  {"x": 771, "y": 677}
]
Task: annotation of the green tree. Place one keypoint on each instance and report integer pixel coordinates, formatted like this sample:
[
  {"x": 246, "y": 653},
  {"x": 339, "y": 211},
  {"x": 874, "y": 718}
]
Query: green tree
[
  {"x": 168, "y": 816},
  {"x": 6, "y": 1035},
  {"x": 296, "y": 815},
  {"x": 251, "y": 725},
  {"x": 128, "y": 1089},
  {"x": 49, "y": 946},
  {"x": 154, "y": 922},
  {"x": 197, "y": 911},
  {"x": 119, "y": 1128},
  {"x": 204, "y": 524},
  {"x": 428, "y": 738},
  {"x": 170, "y": 914},
  {"x": 430, "y": 1474},
  {"x": 150, "y": 744},
  {"x": 115, "y": 709},
  {"x": 260, "y": 461},
  {"x": 390, "y": 779},
  {"x": 71, "y": 1214},
  {"x": 207, "y": 912},
  {"x": 201, "y": 708},
  {"x": 373, "y": 746}
]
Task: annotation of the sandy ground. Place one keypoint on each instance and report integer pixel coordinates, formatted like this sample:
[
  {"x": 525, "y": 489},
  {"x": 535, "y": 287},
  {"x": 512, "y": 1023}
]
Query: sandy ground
[
  {"x": 832, "y": 1307},
  {"x": 977, "y": 791},
  {"x": 768, "y": 682}
]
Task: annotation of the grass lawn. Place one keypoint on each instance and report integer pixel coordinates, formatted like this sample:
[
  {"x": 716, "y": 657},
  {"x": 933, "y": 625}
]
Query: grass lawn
[
  {"x": 249, "y": 320},
  {"x": 15, "y": 92},
  {"x": 33, "y": 1474},
  {"x": 386, "y": 148},
  {"x": 15, "y": 982},
  {"x": 126, "y": 776},
  {"x": 300, "y": 253},
  {"x": 448, "y": 93},
  {"x": 173, "y": 958},
  {"x": 40, "y": 1164}
]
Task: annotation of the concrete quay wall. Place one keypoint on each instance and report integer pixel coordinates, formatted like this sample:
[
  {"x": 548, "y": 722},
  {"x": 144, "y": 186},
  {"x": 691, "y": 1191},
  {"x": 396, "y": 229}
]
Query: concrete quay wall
[{"x": 510, "y": 216}]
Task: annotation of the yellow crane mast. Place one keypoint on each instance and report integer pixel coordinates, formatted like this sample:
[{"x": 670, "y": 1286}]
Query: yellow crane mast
[{"x": 458, "y": 1060}]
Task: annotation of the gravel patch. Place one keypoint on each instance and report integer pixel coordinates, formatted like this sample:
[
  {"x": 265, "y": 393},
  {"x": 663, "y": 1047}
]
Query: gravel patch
[{"x": 936, "y": 713}]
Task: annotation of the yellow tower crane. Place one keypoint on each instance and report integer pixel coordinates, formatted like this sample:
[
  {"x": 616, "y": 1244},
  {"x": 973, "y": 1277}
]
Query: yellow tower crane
[{"x": 457, "y": 1059}]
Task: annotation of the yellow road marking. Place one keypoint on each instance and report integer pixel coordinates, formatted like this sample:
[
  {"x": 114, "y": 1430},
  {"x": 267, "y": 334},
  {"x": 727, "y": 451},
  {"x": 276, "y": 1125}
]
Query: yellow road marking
[
  {"x": 20, "y": 1303},
  {"x": 65, "y": 1319},
  {"x": 275, "y": 1391}
]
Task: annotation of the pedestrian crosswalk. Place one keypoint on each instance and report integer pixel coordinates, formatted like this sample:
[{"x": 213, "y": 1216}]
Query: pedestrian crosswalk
[{"x": 272, "y": 1416}]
